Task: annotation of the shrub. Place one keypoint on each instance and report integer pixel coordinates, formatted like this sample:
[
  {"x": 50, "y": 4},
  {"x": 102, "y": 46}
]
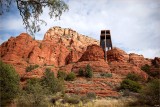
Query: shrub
[
  {"x": 84, "y": 99},
  {"x": 91, "y": 95},
  {"x": 150, "y": 93},
  {"x": 88, "y": 71},
  {"x": 106, "y": 74},
  {"x": 71, "y": 76},
  {"x": 130, "y": 85},
  {"x": 146, "y": 68},
  {"x": 52, "y": 83},
  {"x": 74, "y": 99},
  {"x": 62, "y": 75},
  {"x": 31, "y": 67},
  {"x": 34, "y": 94},
  {"x": 81, "y": 72},
  {"x": 133, "y": 77},
  {"x": 9, "y": 84}
]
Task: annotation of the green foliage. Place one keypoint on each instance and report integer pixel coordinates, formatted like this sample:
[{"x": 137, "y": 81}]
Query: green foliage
[
  {"x": 71, "y": 76},
  {"x": 81, "y": 72},
  {"x": 150, "y": 94},
  {"x": 91, "y": 95},
  {"x": 53, "y": 84},
  {"x": 34, "y": 94},
  {"x": 37, "y": 91},
  {"x": 133, "y": 77},
  {"x": 62, "y": 75},
  {"x": 88, "y": 71},
  {"x": 130, "y": 85},
  {"x": 31, "y": 10},
  {"x": 31, "y": 67},
  {"x": 146, "y": 68},
  {"x": 106, "y": 74},
  {"x": 9, "y": 84}
]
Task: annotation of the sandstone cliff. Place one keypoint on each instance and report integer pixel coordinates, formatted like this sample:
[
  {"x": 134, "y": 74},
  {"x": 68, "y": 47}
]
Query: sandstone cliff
[
  {"x": 64, "y": 49},
  {"x": 59, "y": 47}
]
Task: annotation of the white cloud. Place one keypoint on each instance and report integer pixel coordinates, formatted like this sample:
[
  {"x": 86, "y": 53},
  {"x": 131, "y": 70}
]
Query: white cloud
[{"x": 134, "y": 24}]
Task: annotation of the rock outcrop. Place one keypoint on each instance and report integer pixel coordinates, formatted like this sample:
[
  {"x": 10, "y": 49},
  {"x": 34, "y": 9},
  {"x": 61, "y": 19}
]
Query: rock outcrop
[
  {"x": 59, "y": 47},
  {"x": 66, "y": 50},
  {"x": 123, "y": 68},
  {"x": 138, "y": 60},
  {"x": 93, "y": 53},
  {"x": 117, "y": 55},
  {"x": 94, "y": 56}
]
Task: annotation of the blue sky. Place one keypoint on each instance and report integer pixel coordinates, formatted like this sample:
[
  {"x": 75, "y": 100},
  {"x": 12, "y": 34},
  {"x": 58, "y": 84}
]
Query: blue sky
[{"x": 134, "y": 24}]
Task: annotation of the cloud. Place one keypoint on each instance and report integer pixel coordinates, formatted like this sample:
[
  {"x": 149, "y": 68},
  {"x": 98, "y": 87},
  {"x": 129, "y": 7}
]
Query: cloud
[{"x": 134, "y": 24}]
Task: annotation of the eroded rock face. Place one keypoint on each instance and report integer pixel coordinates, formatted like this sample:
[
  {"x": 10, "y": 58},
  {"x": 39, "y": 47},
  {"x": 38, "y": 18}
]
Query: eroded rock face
[
  {"x": 97, "y": 66},
  {"x": 118, "y": 55},
  {"x": 59, "y": 47},
  {"x": 138, "y": 60},
  {"x": 93, "y": 53},
  {"x": 123, "y": 68}
]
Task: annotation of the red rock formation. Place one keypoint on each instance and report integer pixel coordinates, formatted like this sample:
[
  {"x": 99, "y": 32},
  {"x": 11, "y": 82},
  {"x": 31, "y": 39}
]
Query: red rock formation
[
  {"x": 94, "y": 56},
  {"x": 138, "y": 60},
  {"x": 117, "y": 55},
  {"x": 93, "y": 53},
  {"x": 123, "y": 68},
  {"x": 59, "y": 47}
]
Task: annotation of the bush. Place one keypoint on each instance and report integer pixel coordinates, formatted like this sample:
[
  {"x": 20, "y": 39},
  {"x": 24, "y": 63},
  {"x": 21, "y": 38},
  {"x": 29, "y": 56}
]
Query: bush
[
  {"x": 9, "y": 84},
  {"x": 150, "y": 94},
  {"x": 62, "y": 75},
  {"x": 91, "y": 95},
  {"x": 133, "y": 77},
  {"x": 81, "y": 72},
  {"x": 71, "y": 76},
  {"x": 88, "y": 71},
  {"x": 31, "y": 67},
  {"x": 74, "y": 99},
  {"x": 130, "y": 85},
  {"x": 106, "y": 74},
  {"x": 53, "y": 84},
  {"x": 146, "y": 68},
  {"x": 34, "y": 94}
]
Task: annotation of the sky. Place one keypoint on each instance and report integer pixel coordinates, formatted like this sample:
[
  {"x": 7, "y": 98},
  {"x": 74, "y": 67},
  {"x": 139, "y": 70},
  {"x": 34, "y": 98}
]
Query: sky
[{"x": 134, "y": 24}]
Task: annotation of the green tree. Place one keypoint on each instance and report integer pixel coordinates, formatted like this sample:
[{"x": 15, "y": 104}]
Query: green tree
[
  {"x": 34, "y": 94},
  {"x": 81, "y": 72},
  {"x": 52, "y": 83},
  {"x": 150, "y": 94},
  {"x": 31, "y": 10},
  {"x": 88, "y": 71},
  {"x": 71, "y": 76},
  {"x": 9, "y": 84},
  {"x": 130, "y": 85}
]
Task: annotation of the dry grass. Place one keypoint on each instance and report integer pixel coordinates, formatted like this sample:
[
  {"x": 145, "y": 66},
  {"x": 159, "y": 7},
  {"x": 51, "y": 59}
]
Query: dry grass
[{"x": 121, "y": 102}]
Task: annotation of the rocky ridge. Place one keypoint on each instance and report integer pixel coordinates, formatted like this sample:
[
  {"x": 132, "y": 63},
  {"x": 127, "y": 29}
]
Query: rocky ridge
[{"x": 66, "y": 50}]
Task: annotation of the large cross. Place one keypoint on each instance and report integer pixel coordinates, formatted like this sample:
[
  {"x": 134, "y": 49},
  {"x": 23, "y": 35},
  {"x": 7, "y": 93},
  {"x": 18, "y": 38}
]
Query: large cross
[{"x": 105, "y": 41}]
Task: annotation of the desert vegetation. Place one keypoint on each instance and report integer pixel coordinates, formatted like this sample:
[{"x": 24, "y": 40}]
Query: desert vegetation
[
  {"x": 31, "y": 67},
  {"x": 88, "y": 72},
  {"x": 50, "y": 91},
  {"x": 9, "y": 84}
]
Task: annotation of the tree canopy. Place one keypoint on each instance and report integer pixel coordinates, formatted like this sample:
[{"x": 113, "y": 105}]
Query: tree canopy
[{"x": 31, "y": 10}]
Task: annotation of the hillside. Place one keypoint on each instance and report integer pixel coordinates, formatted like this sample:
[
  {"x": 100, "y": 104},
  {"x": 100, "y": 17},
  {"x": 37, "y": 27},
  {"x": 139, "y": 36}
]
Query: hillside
[{"x": 64, "y": 49}]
